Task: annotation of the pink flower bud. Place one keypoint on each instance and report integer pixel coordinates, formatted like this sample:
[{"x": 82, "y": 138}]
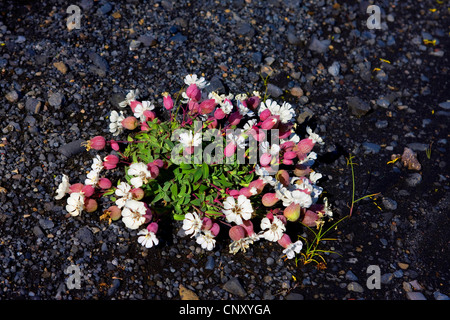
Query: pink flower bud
[
  {"x": 290, "y": 155},
  {"x": 97, "y": 143},
  {"x": 269, "y": 199},
  {"x": 269, "y": 123},
  {"x": 114, "y": 145},
  {"x": 149, "y": 115},
  {"x": 265, "y": 159},
  {"x": 88, "y": 190},
  {"x": 292, "y": 212},
  {"x": 288, "y": 145},
  {"x": 76, "y": 188},
  {"x": 283, "y": 177},
  {"x": 236, "y": 233},
  {"x": 248, "y": 226},
  {"x": 159, "y": 163},
  {"x": 230, "y": 149},
  {"x": 193, "y": 92},
  {"x": 114, "y": 212},
  {"x": 145, "y": 126},
  {"x": 253, "y": 102},
  {"x": 246, "y": 192},
  {"x": 137, "y": 193},
  {"x": 258, "y": 184},
  {"x": 301, "y": 170},
  {"x": 110, "y": 161},
  {"x": 207, "y": 223},
  {"x": 104, "y": 183},
  {"x": 154, "y": 170},
  {"x": 305, "y": 146},
  {"x": 310, "y": 218},
  {"x": 130, "y": 123},
  {"x": 219, "y": 114},
  {"x": 215, "y": 229},
  {"x": 234, "y": 193},
  {"x": 212, "y": 123},
  {"x": 285, "y": 130},
  {"x": 288, "y": 162},
  {"x": 257, "y": 134},
  {"x": 265, "y": 114},
  {"x": 90, "y": 205},
  {"x": 167, "y": 101},
  {"x": 193, "y": 106},
  {"x": 235, "y": 118},
  {"x": 285, "y": 241},
  {"x": 207, "y": 106},
  {"x": 152, "y": 227}
]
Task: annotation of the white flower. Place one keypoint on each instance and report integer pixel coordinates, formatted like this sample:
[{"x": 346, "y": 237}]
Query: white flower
[
  {"x": 124, "y": 192},
  {"x": 92, "y": 178},
  {"x": 327, "y": 208},
  {"x": 237, "y": 211},
  {"x": 298, "y": 197},
  {"x": 285, "y": 111},
  {"x": 265, "y": 175},
  {"x": 131, "y": 96},
  {"x": 192, "y": 78},
  {"x": 115, "y": 127},
  {"x": 140, "y": 108},
  {"x": 243, "y": 110},
  {"x": 188, "y": 139},
  {"x": 243, "y": 244},
  {"x": 249, "y": 125},
  {"x": 192, "y": 224},
  {"x": 63, "y": 188},
  {"x": 75, "y": 203},
  {"x": 147, "y": 239},
  {"x": 238, "y": 140},
  {"x": 206, "y": 240},
  {"x": 314, "y": 176},
  {"x": 293, "y": 248},
  {"x": 274, "y": 230},
  {"x": 140, "y": 172},
  {"x": 97, "y": 164},
  {"x": 314, "y": 136},
  {"x": 273, "y": 150},
  {"x": 133, "y": 214},
  {"x": 309, "y": 159},
  {"x": 226, "y": 106}
]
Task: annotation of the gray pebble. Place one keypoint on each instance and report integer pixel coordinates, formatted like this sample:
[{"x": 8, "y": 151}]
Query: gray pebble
[
  {"x": 72, "y": 148},
  {"x": 351, "y": 276},
  {"x": 234, "y": 287},
  {"x": 371, "y": 147},
  {"x": 414, "y": 295},
  {"x": 389, "y": 204},
  {"x": 414, "y": 179},
  {"x": 357, "y": 106},
  {"x": 355, "y": 287}
]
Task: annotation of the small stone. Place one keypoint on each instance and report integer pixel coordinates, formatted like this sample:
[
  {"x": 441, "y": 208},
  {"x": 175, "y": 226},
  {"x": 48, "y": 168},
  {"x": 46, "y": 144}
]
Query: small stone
[
  {"x": 72, "y": 148},
  {"x": 293, "y": 39},
  {"x": 46, "y": 223},
  {"x": 38, "y": 232},
  {"x": 381, "y": 124},
  {"x": 386, "y": 278},
  {"x": 12, "y": 96},
  {"x": 413, "y": 295},
  {"x": 440, "y": 296},
  {"x": 355, "y": 287},
  {"x": 209, "y": 263},
  {"x": 234, "y": 287},
  {"x": 320, "y": 46},
  {"x": 351, "y": 276},
  {"x": 60, "y": 66},
  {"x": 389, "y": 204},
  {"x": 403, "y": 266},
  {"x": 305, "y": 115},
  {"x": 416, "y": 285},
  {"x": 85, "y": 235},
  {"x": 334, "y": 68},
  {"x": 274, "y": 90},
  {"x": 294, "y": 296},
  {"x": 445, "y": 105},
  {"x": 147, "y": 40},
  {"x": 371, "y": 147},
  {"x": 414, "y": 179},
  {"x": 33, "y": 105},
  {"x": 357, "y": 106},
  {"x": 56, "y": 99},
  {"x": 384, "y": 103},
  {"x": 297, "y": 91}
]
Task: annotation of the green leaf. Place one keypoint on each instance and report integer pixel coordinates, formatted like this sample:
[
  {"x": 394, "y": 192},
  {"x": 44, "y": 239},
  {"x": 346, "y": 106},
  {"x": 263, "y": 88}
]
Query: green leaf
[
  {"x": 178, "y": 217},
  {"x": 197, "y": 175},
  {"x": 174, "y": 190},
  {"x": 205, "y": 171}
]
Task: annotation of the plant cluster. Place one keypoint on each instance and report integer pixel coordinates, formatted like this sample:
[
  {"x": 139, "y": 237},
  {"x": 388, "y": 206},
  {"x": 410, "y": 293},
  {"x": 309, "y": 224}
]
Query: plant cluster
[{"x": 214, "y": 161}]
